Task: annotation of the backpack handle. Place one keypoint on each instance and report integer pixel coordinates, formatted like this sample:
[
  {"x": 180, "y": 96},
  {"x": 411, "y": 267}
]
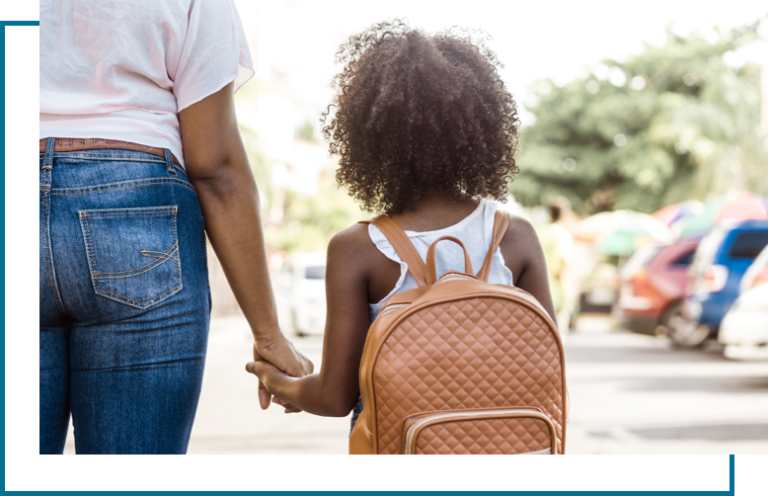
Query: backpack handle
[
  {"x": 432, "y": 271},
  {"x": 500, "y": 225}
]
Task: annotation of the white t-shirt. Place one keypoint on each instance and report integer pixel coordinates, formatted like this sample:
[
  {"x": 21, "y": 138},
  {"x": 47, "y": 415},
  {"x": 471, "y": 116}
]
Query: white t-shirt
[{"x": 125, "y": 69}]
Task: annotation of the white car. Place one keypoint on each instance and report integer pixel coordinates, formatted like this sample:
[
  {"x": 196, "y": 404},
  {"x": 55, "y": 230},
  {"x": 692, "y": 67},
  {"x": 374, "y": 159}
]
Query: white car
[
  {"x": 744, "y": 330},
  {"x": 300, "y": 291},
  {"x": 757, "y": 273}
]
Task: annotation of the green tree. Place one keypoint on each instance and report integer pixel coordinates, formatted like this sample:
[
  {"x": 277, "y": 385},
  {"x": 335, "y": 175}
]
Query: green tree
[
  {"x": 309, "y": 221},
  {"x": 261, "y": 167},
  {"x": 670, "y": 124},
  {"x": 306, "y": 132}
]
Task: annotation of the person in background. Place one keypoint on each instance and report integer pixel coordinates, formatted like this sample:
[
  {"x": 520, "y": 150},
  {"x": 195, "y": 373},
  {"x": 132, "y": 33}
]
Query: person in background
[
  {"x": 557, "y": 243},
  {"x": 139, "y": 153},
  {"x": 426, "y": 132}
]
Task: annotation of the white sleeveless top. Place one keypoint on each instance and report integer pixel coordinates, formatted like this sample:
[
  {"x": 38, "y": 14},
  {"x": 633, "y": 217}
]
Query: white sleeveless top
[{"x": 474, "y": 231}]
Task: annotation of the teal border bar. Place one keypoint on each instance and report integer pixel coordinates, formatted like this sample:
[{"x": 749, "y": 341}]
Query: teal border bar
[{"x": 18, "y": 339}]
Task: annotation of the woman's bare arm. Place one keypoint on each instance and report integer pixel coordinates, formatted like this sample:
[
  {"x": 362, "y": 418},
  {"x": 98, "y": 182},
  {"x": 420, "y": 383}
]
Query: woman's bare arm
[{"x": 218, "y": 167}]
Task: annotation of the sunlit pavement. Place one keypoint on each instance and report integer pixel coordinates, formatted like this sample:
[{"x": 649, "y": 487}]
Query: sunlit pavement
[
  {"x": 638, "y": 394},
  {"x": 629, "y": 394}
]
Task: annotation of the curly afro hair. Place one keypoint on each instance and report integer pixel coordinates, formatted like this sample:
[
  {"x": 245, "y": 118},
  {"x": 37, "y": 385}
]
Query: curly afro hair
[{"x": 414, "y": 112}]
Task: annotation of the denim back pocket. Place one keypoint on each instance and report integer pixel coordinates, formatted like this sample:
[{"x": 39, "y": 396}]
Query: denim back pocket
[{"x": 133, "y": 253}]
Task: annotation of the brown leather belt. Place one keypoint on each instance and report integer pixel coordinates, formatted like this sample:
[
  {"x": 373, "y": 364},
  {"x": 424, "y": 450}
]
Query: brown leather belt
[{"x": 77, "y": 144}]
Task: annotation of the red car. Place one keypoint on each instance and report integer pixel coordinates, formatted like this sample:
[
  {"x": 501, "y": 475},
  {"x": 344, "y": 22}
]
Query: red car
[{"x": 653, "y": 286}]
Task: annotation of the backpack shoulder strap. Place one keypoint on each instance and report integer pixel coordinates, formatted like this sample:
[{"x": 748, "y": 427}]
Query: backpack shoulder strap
[
  {"x": 402, "y": 245},
  {"x": 500, "y": 225}
]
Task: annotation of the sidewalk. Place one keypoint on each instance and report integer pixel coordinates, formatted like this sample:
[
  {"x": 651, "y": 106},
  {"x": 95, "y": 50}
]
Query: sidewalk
[
  {"x": 630, "y": 394},
  {"x": 229, "y": 419}
]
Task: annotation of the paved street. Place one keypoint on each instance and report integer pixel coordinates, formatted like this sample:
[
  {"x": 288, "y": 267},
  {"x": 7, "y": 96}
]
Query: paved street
[
  {"x": 636, "y": 394},
  {"x": 629, "y": 394}
]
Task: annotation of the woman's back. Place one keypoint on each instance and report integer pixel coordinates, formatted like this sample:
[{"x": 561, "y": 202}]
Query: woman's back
[{"x": 124, "y": 70}]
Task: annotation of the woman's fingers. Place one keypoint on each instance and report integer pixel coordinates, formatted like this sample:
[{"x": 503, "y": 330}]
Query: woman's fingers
[
  {"x": 258, "y": 369},
  {"x": 264, "y": 396}
]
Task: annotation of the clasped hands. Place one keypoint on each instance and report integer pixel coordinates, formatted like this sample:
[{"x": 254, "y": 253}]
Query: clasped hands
[{"x": 277, "y": 360}]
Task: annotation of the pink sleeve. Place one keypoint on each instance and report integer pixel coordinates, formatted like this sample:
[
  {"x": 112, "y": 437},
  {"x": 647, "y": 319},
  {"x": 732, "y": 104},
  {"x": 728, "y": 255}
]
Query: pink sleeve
[{"x": 214, "y": 53}]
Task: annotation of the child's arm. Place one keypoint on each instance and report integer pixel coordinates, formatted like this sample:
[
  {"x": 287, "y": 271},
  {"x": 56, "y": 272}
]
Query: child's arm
[
  {"x": 524, "y": 257},
  {"x": 335, "y": 390}
]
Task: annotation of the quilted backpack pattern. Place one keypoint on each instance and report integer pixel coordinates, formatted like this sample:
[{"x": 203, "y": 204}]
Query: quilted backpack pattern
[{"x": 460, "y": 366}]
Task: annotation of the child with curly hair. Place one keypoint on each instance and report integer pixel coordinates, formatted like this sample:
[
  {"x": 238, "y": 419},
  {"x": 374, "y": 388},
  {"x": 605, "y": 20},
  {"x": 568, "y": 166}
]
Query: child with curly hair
[{"x": 426, "y": 132}]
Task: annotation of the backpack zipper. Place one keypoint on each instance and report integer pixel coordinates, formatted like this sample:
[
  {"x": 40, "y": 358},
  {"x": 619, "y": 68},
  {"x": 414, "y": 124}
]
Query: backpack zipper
[{"x": 409, "y": 447}]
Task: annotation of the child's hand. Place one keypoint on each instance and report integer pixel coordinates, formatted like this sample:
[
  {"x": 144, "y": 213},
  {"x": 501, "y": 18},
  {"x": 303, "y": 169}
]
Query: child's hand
[
  {"x": 267, "y": 373},
  {"x": 271, "y": 378},
  {"x": 285, "y": 356},
  {"x": 289, "y": 408}
]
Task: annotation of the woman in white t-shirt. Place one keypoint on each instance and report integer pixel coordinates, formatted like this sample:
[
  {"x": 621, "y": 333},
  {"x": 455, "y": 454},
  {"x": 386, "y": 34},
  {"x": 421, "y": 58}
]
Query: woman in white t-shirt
[{"x": 139, "y": 146}]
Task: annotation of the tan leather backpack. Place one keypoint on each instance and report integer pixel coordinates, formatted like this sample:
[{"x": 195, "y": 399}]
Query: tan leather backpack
[{"x": 458, "y": 365}]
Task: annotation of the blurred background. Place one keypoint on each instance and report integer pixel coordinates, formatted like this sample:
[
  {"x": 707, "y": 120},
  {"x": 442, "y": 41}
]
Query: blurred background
[{"x": 644, "y": 168}]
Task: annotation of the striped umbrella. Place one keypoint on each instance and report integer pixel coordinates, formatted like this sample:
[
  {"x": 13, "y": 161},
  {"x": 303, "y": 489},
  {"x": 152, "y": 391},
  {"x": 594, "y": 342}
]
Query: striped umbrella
[
  {"x": 722, "y": 210},
  {"x": 673, "y": 214},
  {"x": 621, "y": 232}
]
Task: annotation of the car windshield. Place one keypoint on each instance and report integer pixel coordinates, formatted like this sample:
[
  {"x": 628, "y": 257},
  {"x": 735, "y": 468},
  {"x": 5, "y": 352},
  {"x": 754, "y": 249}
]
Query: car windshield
[
  {"x": 684, "y": 260},
  {"x": 748, "y": 244},
  {"x": 639, "y": 259},
  {"x": 707, "y": 249},
  {"x": 315, "y": 272}
]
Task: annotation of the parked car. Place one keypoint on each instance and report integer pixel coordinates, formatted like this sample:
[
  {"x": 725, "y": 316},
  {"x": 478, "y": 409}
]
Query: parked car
[
  {"x": 300, "y": 291},
  {"x": 721, "y": 260},
  {"x": 744, "y": 330},
  {"x": 653, "y": 283},
  {"x": 757, "y": 273},
  {"x": 599, "y": 291}
]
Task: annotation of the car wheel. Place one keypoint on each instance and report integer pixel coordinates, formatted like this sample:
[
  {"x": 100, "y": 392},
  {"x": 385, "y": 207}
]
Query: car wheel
[{"x": 684, "y": 332}]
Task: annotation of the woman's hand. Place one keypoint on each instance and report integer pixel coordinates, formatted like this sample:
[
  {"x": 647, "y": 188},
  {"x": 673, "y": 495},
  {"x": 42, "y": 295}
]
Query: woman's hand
[{"x": 283, "y": 356}]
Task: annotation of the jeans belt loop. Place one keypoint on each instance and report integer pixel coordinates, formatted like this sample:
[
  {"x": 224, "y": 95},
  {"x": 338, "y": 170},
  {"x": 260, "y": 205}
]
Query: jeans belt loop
[
  {"x": 48, "y": 158},
  {"x": 169, "y": 161}
]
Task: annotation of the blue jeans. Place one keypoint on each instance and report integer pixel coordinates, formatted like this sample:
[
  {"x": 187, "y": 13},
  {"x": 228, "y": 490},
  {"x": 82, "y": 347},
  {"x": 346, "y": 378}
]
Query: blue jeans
[{"x": 124, "y": 302}]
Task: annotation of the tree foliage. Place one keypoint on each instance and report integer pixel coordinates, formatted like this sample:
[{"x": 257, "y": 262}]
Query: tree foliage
[
  {"x": 669, "y": 124},
  {"x": 309, "y": 221}
]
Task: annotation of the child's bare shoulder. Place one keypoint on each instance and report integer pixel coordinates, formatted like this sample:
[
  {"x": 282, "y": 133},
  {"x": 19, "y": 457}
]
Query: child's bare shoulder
[
  {"x": 352, "y": 245},
  {"x": 520, "y": 240},
  {"x": 355, "y": 237},
  {"x": 354, "y": 250},
  {"x": 519, "y": 227}
]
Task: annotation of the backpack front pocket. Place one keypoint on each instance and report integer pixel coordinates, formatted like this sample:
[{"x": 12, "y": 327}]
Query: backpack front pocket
[
  {"x": 133, "y": 253},
  {"x": 514, "y": 431}
]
